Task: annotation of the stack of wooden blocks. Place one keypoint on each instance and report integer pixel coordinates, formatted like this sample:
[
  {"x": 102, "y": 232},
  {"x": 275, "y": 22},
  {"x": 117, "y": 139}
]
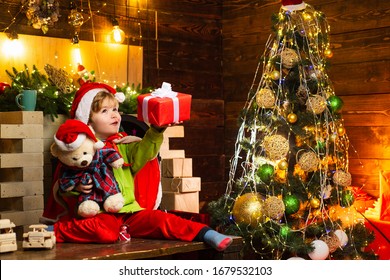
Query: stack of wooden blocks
[
  {"x": 21, "y": 168},
  {"x": 180, "y": 188}
]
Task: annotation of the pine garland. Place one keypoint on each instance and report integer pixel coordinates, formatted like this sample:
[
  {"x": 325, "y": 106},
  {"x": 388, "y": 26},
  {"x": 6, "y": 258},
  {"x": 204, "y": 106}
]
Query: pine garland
[
  {"x": 129, "y": 106},
  {"x": 50, "y": 99}
]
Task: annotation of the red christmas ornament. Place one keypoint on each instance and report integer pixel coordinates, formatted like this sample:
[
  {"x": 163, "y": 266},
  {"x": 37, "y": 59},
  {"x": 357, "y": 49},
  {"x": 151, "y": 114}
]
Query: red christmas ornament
[
  {"x": 3, "y": 87},
  {"x": 291, "y": 2}
]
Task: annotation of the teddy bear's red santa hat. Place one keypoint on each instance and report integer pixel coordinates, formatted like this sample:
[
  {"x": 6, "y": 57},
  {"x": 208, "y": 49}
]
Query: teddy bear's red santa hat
[{"x": 71, "y": 134}]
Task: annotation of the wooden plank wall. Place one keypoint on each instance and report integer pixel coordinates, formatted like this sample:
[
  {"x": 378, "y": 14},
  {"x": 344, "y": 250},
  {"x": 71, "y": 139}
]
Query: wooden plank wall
[
  {"x": 189, "y": 54},
  {"x": 360, "y": 72},
  {"x": 183, "y": 46}
]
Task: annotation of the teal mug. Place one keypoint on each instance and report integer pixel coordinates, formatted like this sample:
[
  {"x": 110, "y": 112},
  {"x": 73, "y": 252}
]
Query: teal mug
[{"x": 27, "y": 100}]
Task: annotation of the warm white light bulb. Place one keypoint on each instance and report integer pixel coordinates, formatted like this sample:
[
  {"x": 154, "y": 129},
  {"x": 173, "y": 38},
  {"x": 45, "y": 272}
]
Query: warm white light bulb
[
  {"x": 13, "y": 48},
  {"x": 76, "y": 55},
  {"x": 117, "y": 35}
]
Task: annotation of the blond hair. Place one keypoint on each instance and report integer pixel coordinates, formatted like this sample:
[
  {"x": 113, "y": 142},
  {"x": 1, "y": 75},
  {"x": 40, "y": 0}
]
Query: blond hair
[{"x": 98, "y": 101}]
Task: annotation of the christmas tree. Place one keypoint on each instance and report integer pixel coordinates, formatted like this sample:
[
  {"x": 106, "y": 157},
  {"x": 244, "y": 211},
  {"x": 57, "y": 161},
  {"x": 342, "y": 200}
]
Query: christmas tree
[{"x": 289, "y": 190}]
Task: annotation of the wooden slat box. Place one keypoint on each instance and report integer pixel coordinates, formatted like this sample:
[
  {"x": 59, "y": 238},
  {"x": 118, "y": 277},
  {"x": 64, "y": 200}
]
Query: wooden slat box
[{"x": 21, "y": 167}]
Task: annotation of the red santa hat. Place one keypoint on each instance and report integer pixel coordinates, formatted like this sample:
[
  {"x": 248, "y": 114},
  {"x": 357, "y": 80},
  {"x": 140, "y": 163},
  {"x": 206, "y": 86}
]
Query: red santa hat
[
  {"x": 293, "y": 5},
  {"x": 81, "y": 106},
  {"x": 71, "y": 134}
]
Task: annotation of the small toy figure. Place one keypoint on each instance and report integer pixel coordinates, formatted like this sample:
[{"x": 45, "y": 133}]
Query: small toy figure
[
  {"x": 7, "y": 236},
  {"x": 124, "y": 234},
  {"x": 39, "y": 237}
]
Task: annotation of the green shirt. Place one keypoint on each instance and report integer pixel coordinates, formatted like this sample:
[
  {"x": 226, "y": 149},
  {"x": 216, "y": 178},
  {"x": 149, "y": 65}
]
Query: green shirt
[{"x": 137, "y": 154}]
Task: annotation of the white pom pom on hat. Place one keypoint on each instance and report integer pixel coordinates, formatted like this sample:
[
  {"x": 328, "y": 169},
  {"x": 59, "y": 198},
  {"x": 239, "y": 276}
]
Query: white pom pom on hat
[
  {"x": 81, "y": 106},
  {"x": 71, "y": 134}
]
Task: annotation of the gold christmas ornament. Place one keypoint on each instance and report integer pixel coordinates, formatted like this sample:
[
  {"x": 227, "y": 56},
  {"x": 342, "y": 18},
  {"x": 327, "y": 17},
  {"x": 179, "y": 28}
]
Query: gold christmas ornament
[
  {"x": 292, "y": 118},
  {"x": 282, "y": 165},
  {"x": 75, "y": 18},
  {"x": 315, "y": 203},
  {"x": 275, "y": 75},
  {"x": 316, "y": 104},
  {"x": 308, "y": 161},
  {"x": 332, "y": 241},
  {"x": 265, "y": 98},
  {"x": 289, "y": 58},
  {"x": 276, "y": 146},
  {"x": 328, "y": 53},
  {"x": 340, "y": 131},
  {"x": 248, "y": 209},
  {"x": 274, "y": 207},
  {"x": 342, "y": 178}
]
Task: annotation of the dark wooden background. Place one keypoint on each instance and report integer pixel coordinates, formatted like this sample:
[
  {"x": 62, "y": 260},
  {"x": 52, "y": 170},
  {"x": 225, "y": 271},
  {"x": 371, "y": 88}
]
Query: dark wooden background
[{"x": 210, "y": 49}]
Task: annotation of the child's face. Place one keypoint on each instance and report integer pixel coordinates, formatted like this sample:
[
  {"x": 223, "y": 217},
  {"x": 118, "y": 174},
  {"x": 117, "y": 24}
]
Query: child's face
[{"x": 107, "y": 120}]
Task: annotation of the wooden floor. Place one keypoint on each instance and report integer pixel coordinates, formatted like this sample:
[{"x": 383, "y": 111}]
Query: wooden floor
[{"x": 135, "y": 249}]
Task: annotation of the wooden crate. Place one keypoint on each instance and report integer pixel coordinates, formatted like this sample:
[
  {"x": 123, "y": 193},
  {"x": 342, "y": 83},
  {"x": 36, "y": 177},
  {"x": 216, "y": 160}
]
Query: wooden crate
[
  {"x": 172, "y": 132},
  {"x": 187, "y": 202},
  {"x": 21, "y": 167},
  {"x": 176, "y": 167},
  {"x": 181, "y": 185}
]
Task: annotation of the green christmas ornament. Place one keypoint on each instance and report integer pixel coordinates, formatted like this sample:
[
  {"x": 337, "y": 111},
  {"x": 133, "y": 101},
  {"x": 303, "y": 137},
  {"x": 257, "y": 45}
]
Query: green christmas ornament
[
  {"x": 265, "y": 172},
  {"x": 347, "y": 198},
  {"x": 292, "y": 203},
  {"x": 335, "y": 103},
  {"x": 284, "y": 231}
]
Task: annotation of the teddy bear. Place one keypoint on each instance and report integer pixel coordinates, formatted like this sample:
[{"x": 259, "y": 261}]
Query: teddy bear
[{"x": 85, "y": 160}]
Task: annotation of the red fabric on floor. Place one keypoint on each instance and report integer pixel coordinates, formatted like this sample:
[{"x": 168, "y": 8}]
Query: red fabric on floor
[{"x": 381, "y": 244}]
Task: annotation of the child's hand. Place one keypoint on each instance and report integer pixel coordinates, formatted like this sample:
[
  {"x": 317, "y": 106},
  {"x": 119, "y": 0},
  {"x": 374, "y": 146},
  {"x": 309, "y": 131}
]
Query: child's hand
[
  {"x": 127, "y": 139},
  {"x": 84, "y": 188}
]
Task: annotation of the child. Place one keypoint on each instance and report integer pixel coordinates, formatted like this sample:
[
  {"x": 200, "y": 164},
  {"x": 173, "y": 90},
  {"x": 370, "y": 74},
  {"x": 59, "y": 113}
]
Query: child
[{"x": 97, "y": 105}]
